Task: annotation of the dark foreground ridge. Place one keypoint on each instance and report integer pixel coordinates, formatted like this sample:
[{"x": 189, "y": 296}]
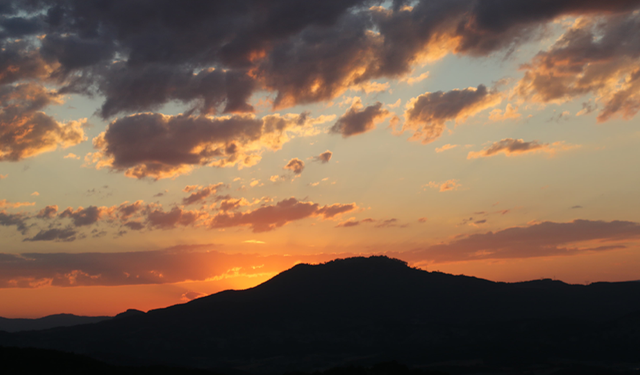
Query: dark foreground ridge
[{"x": 362, "y": 311}]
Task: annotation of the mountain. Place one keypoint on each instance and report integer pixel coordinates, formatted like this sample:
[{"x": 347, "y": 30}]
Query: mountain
[
  {"x": 363, "y": 311},
  {"x": 47, "y": 322}
]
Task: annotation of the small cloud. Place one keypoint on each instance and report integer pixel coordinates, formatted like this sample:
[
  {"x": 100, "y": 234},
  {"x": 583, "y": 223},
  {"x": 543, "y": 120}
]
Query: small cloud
[
  {"x": 3, "y": 176},
  {"x": 565, "y": 115},
  {"x": 509, "y": 113},
  {"x": 71, "y": 156},
  {"x": 6, "y": 203},
  {"x": 324, "y": 157},
  {"x": 576, "y": 207},
  {"x": 445, "y": 148},
  {"x": 295, "y": 165},
  {"x": 255, "y": 183},
  {"x": 35, "y": 194},
  {"x": 510, "y": 147},
  {"x": 448, "y": 185},
  {"x": 255, "y": 242},
  {"x": 412, "y": 80},
  {"x": 422, "y": 220},
  {"x": 189, "y": 296},
  {"x": 587, "y": 108},
  {"x": 396, "y": 104},
  {"x": 160, "y": 194}
]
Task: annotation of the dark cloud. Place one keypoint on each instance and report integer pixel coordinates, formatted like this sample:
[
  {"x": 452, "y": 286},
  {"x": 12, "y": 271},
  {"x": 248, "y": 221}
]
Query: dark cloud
[
  {"x": 268, "y": 218},
  {"x": 510, "y": 146},
  {"x": 324, "y": 157},
  {"x": 176, "y": 144},
  {"x": 295, "y": 165},
  {"x": 160, "y": 219},
  {"x": 17, "y": 220},
  {"x": 535, "y": 240},
  {"x": 54, "y": 234},
  {"x": 84, "y": 216},
  {"x": 358, "y": 120},
  {"x": 427, "y": 114},
  {"x": 48, "y": 212}
]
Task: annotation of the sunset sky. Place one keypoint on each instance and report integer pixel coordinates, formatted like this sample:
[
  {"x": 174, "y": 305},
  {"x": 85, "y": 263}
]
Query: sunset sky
[{"x": 152, "y": 152}]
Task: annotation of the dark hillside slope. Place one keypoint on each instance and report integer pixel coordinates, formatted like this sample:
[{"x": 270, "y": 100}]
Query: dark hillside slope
[{"x": 362, "y": 309}]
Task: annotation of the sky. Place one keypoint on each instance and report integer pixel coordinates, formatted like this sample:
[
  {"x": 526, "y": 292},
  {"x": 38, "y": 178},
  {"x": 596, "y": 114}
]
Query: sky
[{"x": 153, "y": 152}]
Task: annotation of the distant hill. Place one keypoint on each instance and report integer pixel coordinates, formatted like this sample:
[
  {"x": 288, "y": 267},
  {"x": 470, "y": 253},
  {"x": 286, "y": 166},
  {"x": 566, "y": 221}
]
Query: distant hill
[
  {"x": 47, "y": 322},
  {"x": 362, "y": 311}
]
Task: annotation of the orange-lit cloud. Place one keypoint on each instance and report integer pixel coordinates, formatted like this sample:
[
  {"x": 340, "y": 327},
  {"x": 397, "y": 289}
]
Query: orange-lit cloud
[
  {"x": 4, "y": 203},
  {"x": 509, "y": 113},
  {"x": 595, "y": 56},
  {"x": 448, "y": 185},
  {"x": 445, "y": 148}
]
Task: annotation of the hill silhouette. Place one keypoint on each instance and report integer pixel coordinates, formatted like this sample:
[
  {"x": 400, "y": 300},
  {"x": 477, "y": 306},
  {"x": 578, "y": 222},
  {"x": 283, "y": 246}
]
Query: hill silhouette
[
  {"x": 366, "y": 310},
  {"x": 47, "y": 322}
]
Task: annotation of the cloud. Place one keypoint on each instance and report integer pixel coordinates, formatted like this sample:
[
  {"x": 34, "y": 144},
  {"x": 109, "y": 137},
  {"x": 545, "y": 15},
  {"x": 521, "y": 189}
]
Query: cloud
[
  {"x": 84, "y": 216},
  {"x": 596, "y": 56},
  {"x": 295, "y": 165},
  {"x": 35, "y": 194},
  {"x": 172, "y": 265},
  {"x": 48, "y": 212},
  {"x": 510, "y": 147},
  {"x": 200, "y": 194},
  {"x": 17, "y": 220},
  {"x": 176, "y": 144},
  {"x": 535, "y": 240},
  {"x": 140, "y": 57},
  {"x": 5, "y": 203},
  {"x": 358, "y": 120},
  {"x": 157, "y": 218},
  {"x": 509, "y": 113},
  {"x": 268, "y": 218},
  {"x": 423, "y": 220},
  {"x": 54, "y": 234},
  {"x": 3, "y": 176},
  {"x": 324, "y": 157},
  {"x": 445, "y": 148},
  {"x": 25, "y": 130},
  {"x": 411, "y": 80},
  {"x": 427, "y": 114},
  {"x": 71, "y": 156},
  {"x": 448, "y": 185}
]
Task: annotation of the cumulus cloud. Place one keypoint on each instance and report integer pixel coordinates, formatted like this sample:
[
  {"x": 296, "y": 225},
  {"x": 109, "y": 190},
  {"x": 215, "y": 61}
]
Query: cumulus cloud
[
  {"x": 176, "y": 144},
  {"x": 358, "y": 120},
  {"x": 85, "y": 216},
  {"x": 48, "y": 212},
  {"x": 324, "y": 157},
  {"x": 535, "y": 240},
  {"x": 139, "y": 57},
  {"x": 295, "y": 165},
  {"x": 25, "y": 130},
  {"x": 510, "y": 147},
  {"x": 427, "y": 114},
  {"x": 17, "y": 220},
  {"x": 268, "y": 218},
  {"x": 596, "y": 56}
]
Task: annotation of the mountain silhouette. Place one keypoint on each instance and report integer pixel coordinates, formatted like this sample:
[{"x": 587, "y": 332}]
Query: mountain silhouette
[
  {"x": 47, "y": 322},
  {"x": 366, "y": 310}
]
